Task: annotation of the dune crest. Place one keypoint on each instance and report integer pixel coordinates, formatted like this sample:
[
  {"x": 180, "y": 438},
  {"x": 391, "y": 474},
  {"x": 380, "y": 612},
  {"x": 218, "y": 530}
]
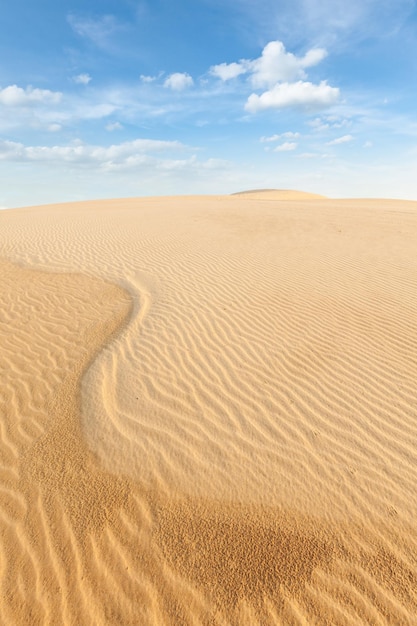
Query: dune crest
[
  {"x": 208, "y": 412},
  {"x": 279, "y": 194}
]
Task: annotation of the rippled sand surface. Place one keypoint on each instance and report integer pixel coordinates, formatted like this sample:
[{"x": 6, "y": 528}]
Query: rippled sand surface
[{"x": 208, "y": 411}]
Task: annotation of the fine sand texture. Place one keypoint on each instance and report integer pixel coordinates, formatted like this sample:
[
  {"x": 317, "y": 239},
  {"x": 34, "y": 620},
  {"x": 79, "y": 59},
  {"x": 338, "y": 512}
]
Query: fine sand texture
[{"x": 208, "y": 412}]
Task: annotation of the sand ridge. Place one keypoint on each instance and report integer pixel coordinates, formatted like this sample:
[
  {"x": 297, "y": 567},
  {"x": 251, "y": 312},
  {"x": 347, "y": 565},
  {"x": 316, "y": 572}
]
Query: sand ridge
[
  {"x": 278, "y": 194},
  {"x": 209, "y": 412}
]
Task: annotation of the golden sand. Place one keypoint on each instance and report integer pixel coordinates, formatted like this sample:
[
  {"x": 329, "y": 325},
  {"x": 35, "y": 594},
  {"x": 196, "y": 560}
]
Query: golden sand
[{"x": 208, "y": 411}]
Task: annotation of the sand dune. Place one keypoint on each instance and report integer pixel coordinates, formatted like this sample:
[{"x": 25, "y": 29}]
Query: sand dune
[
  {"x": 279, "y": 194},
  {"x": 209, "y": 411}
]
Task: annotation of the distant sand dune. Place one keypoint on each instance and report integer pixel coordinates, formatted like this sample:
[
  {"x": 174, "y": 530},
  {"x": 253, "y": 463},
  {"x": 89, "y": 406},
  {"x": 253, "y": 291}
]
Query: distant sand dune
[
  {"x": 208, "y": 412},
  {"x": 279, "y": 194}
]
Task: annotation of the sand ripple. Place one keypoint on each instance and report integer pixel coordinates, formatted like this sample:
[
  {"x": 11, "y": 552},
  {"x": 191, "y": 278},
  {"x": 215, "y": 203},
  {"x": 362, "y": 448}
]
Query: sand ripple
[{"x": 209, "y": 412}]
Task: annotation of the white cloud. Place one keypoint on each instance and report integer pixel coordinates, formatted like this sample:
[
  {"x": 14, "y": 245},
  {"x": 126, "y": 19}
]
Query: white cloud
[
  {"x": 290, "y": 135},
  {"x": 43, "y": 109},
  {"x": 287, "y": 135},
  {"x": 271, "y": 138},
  {"x": 320, "y": 124},
  {"x": 330, "y": 22},
  {"x": 368, "y": 144},
  {"x": 178, "y": 81},
  {"x": 339, "y": 140},
  {"x": 79, "y": 170},
  {"x": 17, "y": 96},
  {"x": 122, "y": 154},
  {"x": 286, "y": 147},
  {"x": 357, "y": 17},
  {"x": 82, "y": 79},
  {"x": 114, "y": 126},
  {"x": 299, "y": 94},
  {"x": 97, "y": 30},
  {"x": 275, "y": 64},
  {"x": 308, "y": 155},
  {"x": 87, "y": 110},
  {"x": 313, "y": 57},
  {"x": 283, "y": 75},
  {"x": 148, "y": 79},
  {"x": 227, "y": 71}
]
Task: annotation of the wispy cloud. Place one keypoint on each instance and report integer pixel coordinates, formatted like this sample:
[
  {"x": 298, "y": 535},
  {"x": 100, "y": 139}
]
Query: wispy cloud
[
  {"x": 286, "y": 135},
  {"x": 114, "y": 126},
  {"x": 82, "y": 79},
  {"x": 169, "y": 165},
  {"x": 328, "y": 122},
  {"x": 123, "y": 154},
  {"x": 148, "y": 79},
  {"x": 331, "y": 22},
  {"x": 97, "y": 30},
  {"x": 357, "y": 18},
  {"x": 90, "y": 109},
  {"x": 287, "y": 146},
  {"x": 340, "y": 140},
  {"x": 34, "y": 108}
]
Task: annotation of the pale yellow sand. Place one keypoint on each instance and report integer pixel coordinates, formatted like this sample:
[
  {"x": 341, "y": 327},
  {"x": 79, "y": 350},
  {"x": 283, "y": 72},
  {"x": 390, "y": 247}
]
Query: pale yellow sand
[
  {"x": 209, "y": 411},
  {"x": 279, "y": 194}
]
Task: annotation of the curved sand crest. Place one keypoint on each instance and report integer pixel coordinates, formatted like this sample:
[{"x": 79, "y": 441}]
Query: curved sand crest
[
  {"x": 244, "y": 371},
  {"x": 52, "y": 492},
  {"x": 279, "y": 194}
]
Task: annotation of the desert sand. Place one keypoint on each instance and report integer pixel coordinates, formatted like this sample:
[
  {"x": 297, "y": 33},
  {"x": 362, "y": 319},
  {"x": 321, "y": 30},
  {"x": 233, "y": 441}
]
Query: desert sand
[{"x": 209, "y": 411}]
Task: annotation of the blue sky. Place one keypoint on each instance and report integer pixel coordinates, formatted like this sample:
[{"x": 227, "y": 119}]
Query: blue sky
[{"x": 149, "y": 97}]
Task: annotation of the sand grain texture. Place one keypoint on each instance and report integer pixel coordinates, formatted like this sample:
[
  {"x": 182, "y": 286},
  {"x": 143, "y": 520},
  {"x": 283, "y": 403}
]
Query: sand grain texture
[{"x": 209, "y": 411}]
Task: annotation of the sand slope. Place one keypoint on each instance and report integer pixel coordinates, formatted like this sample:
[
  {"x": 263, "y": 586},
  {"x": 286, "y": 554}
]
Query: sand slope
[{"x": 209, "y": 411}]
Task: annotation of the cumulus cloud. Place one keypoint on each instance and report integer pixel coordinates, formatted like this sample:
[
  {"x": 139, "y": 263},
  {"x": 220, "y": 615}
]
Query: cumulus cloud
[
  {"x": 299, "y": 94},
  {"x": 275, "y": 64},
  {"x": 283, "y": 75},
  {"x": 178, "y": 81},
  {"x": 339, "y": 140},
  {"x": 82, "y": 79},
  {"x": 227, "y": 71},
  {"x": 17, "y": 96},
  {"x": 287, "y": 146}
]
